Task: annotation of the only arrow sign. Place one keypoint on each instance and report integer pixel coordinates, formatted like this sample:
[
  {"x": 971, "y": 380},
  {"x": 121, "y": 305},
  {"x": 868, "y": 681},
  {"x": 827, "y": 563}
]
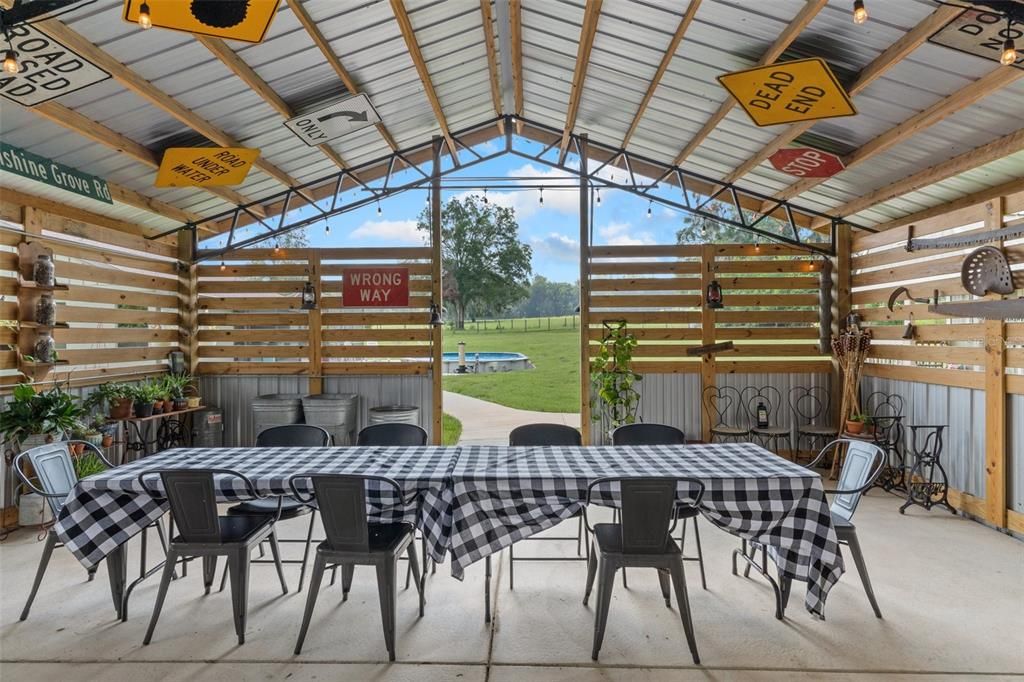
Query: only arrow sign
[{"x": 350, "y": 115}]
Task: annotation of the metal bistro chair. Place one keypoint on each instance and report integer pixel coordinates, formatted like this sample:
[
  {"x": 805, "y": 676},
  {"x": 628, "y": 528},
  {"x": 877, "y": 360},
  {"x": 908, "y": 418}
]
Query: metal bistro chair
[
  {"x": 55, "y": 477},
  {"x": 352, "y": 541},
  {"x": 643, "y": 539},
  {"x": 661, "y": 434},
  {"x": 287, "y": 436},
  {"x": 540, "y": 435},
  {"x": 863, "y": 463},
  {"x": 811, "y": 415},
  {"x": 770, "y": 397},
  {"x": 192, "y": 496},
  {"x": 719, "y": 402}
]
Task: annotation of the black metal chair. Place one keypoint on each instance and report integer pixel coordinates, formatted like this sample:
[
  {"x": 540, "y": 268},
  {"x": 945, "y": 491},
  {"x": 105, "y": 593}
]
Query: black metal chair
[
  {"x": 724, "y": 407},
  {"x": 643, "y": 539},
  {"x": 862, "y": 463},
  {"x": 352, "y": 541},
  {"x": 769, "y": 399},
  {"x": 287, "y": 436},
  {"x": 662, "y": 434},
  {"x": 811, "y": 416},
  {"x": 192, "y": 496},
  {"x": 398, "y": 433},
  {"x": 53, "y": 477}
]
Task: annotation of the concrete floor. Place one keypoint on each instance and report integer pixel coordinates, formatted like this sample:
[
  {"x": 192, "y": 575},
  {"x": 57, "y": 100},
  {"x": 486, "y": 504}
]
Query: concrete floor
[
  {"x": 487, "y": 423},
  {"x": 952, "y": 592}
]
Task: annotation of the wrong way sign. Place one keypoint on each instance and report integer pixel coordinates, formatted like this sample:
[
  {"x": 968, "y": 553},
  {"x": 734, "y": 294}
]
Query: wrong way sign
[
  {"x": 806, "y": 162},
  {"x": 337, "y": 120}
]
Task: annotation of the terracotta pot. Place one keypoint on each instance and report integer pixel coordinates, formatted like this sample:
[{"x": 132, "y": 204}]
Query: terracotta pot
[
  {"x": 168, "y": 406},
  {"x": 108, "y": 440},
  {"x": 854, "y": 427},
  {"x": 78, "y": 449},
  {"x": 122, "y": 409},
  {"x": 158, "y": 407}
]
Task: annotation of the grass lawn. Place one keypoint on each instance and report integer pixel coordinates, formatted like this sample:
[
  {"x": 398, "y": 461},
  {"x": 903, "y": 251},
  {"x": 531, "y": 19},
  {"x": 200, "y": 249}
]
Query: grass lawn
[
  {"x": 553, "y": 386},
  {"x": 451, "y": 429}
]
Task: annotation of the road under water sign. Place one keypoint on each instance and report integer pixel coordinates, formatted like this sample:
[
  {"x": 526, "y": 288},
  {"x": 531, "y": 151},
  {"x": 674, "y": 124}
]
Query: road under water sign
[
  {"x": 789, "y": 92},
  {"x": 205, "y": 166},
  {"x": 329, "y": 123}
]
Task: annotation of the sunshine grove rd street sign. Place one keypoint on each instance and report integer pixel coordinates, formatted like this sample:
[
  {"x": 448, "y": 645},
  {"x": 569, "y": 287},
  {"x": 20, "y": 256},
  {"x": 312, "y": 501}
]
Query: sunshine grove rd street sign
[
  {"x": 246, "y": 20},
  {"x": 205, "y": 166},
  {"x": 789, "y": 92},
  {"x": 375, "y": 287},
  {"x": 329, "y": 123},
  {"x": 980, "y": 33},
  {"x": 29, "y": 165},
  {"x": 48, "y": 68},
  {"x": 806, "y": 162}
]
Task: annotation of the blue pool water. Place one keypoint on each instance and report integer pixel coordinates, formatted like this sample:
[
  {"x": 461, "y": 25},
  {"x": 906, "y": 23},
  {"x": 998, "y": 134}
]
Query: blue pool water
[{"x": 484, "y": 357}]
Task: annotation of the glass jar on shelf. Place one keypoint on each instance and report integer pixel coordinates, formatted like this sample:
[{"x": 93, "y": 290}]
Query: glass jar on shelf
[
  {"x": 46, "y": 311},
  {"x": 42, "y": 271},
  {"x": 44, "y": 346}
]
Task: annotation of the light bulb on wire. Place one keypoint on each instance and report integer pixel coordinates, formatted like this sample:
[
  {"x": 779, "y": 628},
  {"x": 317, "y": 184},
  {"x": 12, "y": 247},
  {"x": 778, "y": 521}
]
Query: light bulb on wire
[
  {"x": 11, "y": 65},
  {"x": 485, "y": 195},
  {"x": 1007, "y": 58},
  {"x": 379, "y": 212},
  {"x": 327, "y": 227},
  {"x": 541, "y": 199},
  {"x": 649, "y": 202},
  {"x": 598, "y": 191},
  {"x": 223, "y": 266},
  {"x": 145, "y": 21},
  {"x": 860, "y": 14}
]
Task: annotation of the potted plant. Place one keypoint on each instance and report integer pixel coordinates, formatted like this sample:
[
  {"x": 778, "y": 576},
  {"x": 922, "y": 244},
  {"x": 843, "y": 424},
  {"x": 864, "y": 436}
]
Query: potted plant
[
  {"x": 108, "y": 432},
  {"x": 613, "y": 378},
  {"x": 145, "y": 396},
  {"x": 192, "y": 393},
  {"x": 94, "y": 430},
  {"x": 116, "y": 397},
  {"x": 177, "y": 385},
  {"x": 856, "y": 422},
  {"x": 86, "y": 464},
  {"x": 78, "y": 431}
]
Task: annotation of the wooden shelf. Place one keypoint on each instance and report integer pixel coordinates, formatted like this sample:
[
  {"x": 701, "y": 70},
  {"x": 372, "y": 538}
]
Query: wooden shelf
[
  {"x": 29, "y": 324},
  {"x": 41, "y": 365},
  {"x": 29, "y": 284}
]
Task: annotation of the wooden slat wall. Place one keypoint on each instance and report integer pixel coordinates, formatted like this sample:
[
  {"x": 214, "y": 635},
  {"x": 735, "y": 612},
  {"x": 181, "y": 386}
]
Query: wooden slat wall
[{"x": 250, "y": 318}]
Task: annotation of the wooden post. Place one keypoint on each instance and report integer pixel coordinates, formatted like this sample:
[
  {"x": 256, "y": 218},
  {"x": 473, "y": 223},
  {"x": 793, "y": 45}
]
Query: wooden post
[
  {"x": 841, "y": 297},
  {"x": 708, "y": 365},
  {"x": 436, "y": 333},
  {"x": 995, "y": 397},
  {"x": 32, "y": 220},
  {"x": 316, "y": 370},
  {"x": 584, "y": 293},
  {"x": 188, "y": 287}
]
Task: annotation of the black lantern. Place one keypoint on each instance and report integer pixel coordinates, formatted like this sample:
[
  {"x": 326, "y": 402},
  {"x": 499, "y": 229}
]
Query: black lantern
[
  {"x": 308, "y": 296},
  {"x": 435, "y": 315},
  {"x": 714, "y": 295}
]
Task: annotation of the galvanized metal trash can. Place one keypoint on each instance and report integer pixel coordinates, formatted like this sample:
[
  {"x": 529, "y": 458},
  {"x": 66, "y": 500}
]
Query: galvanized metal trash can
[
  {"x": 391, "y": 414},
  {"x": 335, "y": 412},
  {"x": 208, "y": 428},
  {"x": 275, "y": 409}
]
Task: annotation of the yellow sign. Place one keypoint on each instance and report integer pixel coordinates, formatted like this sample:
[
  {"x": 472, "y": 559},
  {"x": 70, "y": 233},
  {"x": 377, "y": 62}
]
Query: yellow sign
[
  {"x": 801, "y": 90},
  {"x": 246, "y": 20},
  {"x": 205, "y": 166}
]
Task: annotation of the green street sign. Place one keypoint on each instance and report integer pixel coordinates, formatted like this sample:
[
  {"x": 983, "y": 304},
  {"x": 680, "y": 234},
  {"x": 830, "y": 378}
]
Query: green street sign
[{"x": 28, "y": 165}]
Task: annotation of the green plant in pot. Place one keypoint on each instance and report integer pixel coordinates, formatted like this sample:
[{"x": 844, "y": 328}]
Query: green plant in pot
[
  {"x": 30, "y": 418},
  {"x": 116, "y": 397},
  {"x": 145, "y": 394},
  {"x": 177, "y": 386},
  {"x": 857, "y": 423},
  {"x": 616, "y": 397}
]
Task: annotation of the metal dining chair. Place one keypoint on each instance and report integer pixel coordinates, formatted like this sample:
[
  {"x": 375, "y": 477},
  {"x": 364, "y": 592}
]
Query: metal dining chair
[
  {"x": 662, "y": 434},
  {"x": 192, "y": 496},
  {"x": 768, "y": 398},
  {"x": 53, "y": 477},
  {"x": 723, "y": 405},
  {"x": 649, "y": 508},
  {"x": 862, "y": 464},
  {"x": 809, "y": 409},
  {"x": 287, "y": 436},
  {"x": 397, "y": 433},
  {"x": 353, "y": 541}
]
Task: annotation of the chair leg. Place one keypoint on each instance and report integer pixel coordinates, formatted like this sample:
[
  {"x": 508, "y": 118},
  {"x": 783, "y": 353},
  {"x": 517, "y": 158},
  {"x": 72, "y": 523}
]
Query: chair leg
[
  {"x": 700, "y": 553},
  {"x": 386, "y": 591},
  {"x": 862, "y": 568},
  {"x": 785, "y": 587},
  {"x": 224, "y": 577},
  {"x": 579, "y": 536},
  {"x": 663, "y": 578},
  {"x": 347, "y": 571},
  {"x": 591, "y": 572},
  {"x": 315, "y": 581},
  {"x": 44, "y": 560},
  {"x": 165, "y": 581},
  {"x": 209, "y": 571},
  {"x": 305, "y": 552},
  {"x": 414, "y": 567},
  {"x": 238, "y": 564},
  {"x": 487, "y": 589},
  {"x": 605, "y": 584},
  {"x": 511, "y": 567},
  {"x": 276, "y": 552},
  {"x": 679, "y": 580}
]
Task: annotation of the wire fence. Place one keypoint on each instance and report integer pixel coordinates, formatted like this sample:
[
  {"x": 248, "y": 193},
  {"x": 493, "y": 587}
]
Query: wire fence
[{"x": 522, "y": 324}]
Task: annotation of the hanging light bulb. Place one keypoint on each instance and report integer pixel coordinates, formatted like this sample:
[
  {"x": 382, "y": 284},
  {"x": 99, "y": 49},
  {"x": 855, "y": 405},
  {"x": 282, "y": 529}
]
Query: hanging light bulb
[
  {"x": 327, "y": 227},
  {"x": 598, "y": 197},
  {"x": 757, "y": 248},
  {"x": 485, "y": 195},
  {"x": 649, "y": 202},
  {"x": 541, "y": 200},
  {"x": 1008, "y": 58},
  {"x": 144, "y": 19},
  {"x": 379, "y": 212},
  {"x": 223, "y": 266},
  {"x": 11, "y": 64},
  {"x": 860, "y": 14},
  {"x": 277, "y": 246}
]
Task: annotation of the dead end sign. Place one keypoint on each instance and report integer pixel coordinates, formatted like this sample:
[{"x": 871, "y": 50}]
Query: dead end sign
[
  {"x": 806, "y": 162},
  {"x": 375, "y": 287},
  {"x": 329, "y": 123},
  {"x": 205, "y": 166},
  {"x": 789, "y": 92}
]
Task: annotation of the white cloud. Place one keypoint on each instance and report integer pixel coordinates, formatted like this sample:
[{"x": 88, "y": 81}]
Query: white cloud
[
  {"x": 557, "y": 246},
  {"x": 623, "y": 234},
  {"x": 560, "y": 194},
  {"x": 390, "y": 231}
]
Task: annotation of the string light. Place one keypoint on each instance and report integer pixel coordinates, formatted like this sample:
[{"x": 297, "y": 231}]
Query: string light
[
  {"x": 144, "y": 19},
  {"x": 223, "y": 266},
  {"x": 541, "y": 200},
  {"x": 1008, "y": 58},
  {"x": 277, "y": 247},
  {"x": 485, "y": 195},
  {"x": 860, "y": 14},
  {"x": 757, "y": 248},
  {"x": 379, "y": 212},
  {"x": 327, "y": 227},
  {"x": 598, "y": 191},
  {"x": 649, "y": 202},
  {"x": 11, "y": 65}
]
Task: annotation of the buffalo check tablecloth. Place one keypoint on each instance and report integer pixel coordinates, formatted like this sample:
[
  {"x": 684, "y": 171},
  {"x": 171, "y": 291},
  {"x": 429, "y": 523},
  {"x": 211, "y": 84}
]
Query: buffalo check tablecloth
[
  {"x": 503, "y": 494},
  {"x": 104, "y": 511}
]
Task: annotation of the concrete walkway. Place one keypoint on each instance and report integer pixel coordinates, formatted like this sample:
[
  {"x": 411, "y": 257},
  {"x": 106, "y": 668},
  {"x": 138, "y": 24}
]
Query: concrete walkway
[{"x": 486, "y": 423}]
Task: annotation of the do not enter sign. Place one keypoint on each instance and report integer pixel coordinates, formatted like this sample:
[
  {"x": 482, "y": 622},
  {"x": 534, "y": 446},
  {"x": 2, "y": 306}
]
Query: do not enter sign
[
  {"x": 375, "y": 287},
  {"x": 801, "y": 90},
  {"x": 806, "y": 162}
]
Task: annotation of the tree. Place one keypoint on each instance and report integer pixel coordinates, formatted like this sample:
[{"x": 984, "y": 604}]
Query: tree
[
  {"x": 548, "y": 299},
  {"x": 486, "y": 267},
  {"x": 701, "y": 229}
]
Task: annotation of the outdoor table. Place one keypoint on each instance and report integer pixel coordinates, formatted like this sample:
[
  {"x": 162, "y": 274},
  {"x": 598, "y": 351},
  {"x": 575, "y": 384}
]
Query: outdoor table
[
  {"x": 503, "y": 494},
  {"x": 104, "y": 511}
]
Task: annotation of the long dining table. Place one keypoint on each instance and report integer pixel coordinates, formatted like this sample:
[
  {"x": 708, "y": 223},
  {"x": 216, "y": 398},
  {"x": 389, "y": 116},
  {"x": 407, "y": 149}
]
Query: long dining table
[{"x": 473, "y": 501}]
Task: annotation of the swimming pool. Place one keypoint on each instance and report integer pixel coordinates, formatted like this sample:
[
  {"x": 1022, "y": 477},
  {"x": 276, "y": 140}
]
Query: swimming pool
[{"x": 486, "y": 362}]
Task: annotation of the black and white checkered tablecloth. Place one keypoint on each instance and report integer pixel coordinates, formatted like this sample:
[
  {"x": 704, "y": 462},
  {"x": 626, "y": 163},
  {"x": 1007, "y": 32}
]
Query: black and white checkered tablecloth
[
  {"x": 105, "y": 510},
  {"x": 504, "y": 494}
]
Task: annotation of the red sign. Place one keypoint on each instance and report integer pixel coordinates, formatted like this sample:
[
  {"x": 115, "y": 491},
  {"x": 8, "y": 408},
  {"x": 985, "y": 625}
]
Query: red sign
[
  {"x": 806, "y": 162},
  {"x": 375, "y": 287}
]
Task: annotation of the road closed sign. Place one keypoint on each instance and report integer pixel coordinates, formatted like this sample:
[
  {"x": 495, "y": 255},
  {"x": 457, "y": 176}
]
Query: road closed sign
[
  {"x": 205, "y": 166},
  {"x": 806, "y": 162},
  {"x": 375, "y": 287},
  {"x": 790, "y": 92},
  {"x": 332, "y": 122},
  {"x": 48, "y": 68}
]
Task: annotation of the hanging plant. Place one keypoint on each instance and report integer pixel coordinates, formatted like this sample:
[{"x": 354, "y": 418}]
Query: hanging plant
[{"x": 613, "y": 378}]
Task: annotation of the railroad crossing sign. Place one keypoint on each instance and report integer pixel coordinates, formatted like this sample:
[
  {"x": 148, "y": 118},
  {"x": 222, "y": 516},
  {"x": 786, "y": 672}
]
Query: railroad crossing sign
[
  {"x": 806, "y": 162},
  {"x": 337, "y": 120},
  {"x": 790, "y": 92},
  {"x": 245, "y": 20}
]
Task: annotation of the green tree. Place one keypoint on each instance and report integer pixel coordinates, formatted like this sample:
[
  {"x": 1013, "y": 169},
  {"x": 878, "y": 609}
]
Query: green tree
[
  {"x": 548, "y": 299},
  {"x": 486, "y": 267}
]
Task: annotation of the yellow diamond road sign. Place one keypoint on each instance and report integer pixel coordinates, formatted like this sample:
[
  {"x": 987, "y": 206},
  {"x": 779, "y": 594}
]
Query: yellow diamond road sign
[
  {"x": 205, "y": 166},
  {"x": 246, "y": 20},
  {"x": 790, "y": 92}
]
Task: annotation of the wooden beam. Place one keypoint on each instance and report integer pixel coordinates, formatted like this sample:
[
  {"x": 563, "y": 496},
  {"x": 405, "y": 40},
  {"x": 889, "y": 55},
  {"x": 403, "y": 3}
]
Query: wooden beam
[
  {"x": 487, "y": 21},
  {"x": 996, "y": 459},
  {"x": 788, "y": 35},
  {"x": 666, "y": 59},
  {"x": 437, "y": 295},
  {"x": 124, "y": 195},
  {"x": 1015, "y": 186},
  {"x": 708, "y": 363},
  {"x": 961, "y": 99},
  {"x": 315, "y": 325},
  {"x": 588, "y": 31},
  {"x": 585, "y": 281},
  {"x": 405, "y": 26},
  {"x": 331, "y": 58},
  {"x": 879, "y": 65},
  {"x": 143, "y": 88},
  {"x": 515, "y": 18}
]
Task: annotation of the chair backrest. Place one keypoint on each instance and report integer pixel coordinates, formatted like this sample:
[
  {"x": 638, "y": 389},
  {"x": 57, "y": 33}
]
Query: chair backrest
[
  {"x": 810, "y": 405},
  {"x": 723, "y": 404},
  {"x": 293, "y": 435},
  {"x": 53, "y": 470},
  {"x": 341, "y": 499},
  {"x": 544, "y": 434},
  {"x": 648, "y": 509},
  {"x": 192, "y": 497},
  {"x": 648, "y": 434},
  {"x": 769, "y": 396},
  {"x": 863, "y": 464},
  {"x": 397, "y": 433}
]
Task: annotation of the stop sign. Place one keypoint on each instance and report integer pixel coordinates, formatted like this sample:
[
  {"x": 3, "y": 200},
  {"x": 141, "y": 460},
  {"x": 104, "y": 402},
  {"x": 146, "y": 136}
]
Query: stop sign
[{"x": 806, "y": 162}]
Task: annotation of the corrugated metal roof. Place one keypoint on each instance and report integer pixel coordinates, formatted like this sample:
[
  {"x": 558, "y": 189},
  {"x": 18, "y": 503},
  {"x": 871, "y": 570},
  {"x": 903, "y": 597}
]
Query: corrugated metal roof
[{"x": 631, "y": 38}]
